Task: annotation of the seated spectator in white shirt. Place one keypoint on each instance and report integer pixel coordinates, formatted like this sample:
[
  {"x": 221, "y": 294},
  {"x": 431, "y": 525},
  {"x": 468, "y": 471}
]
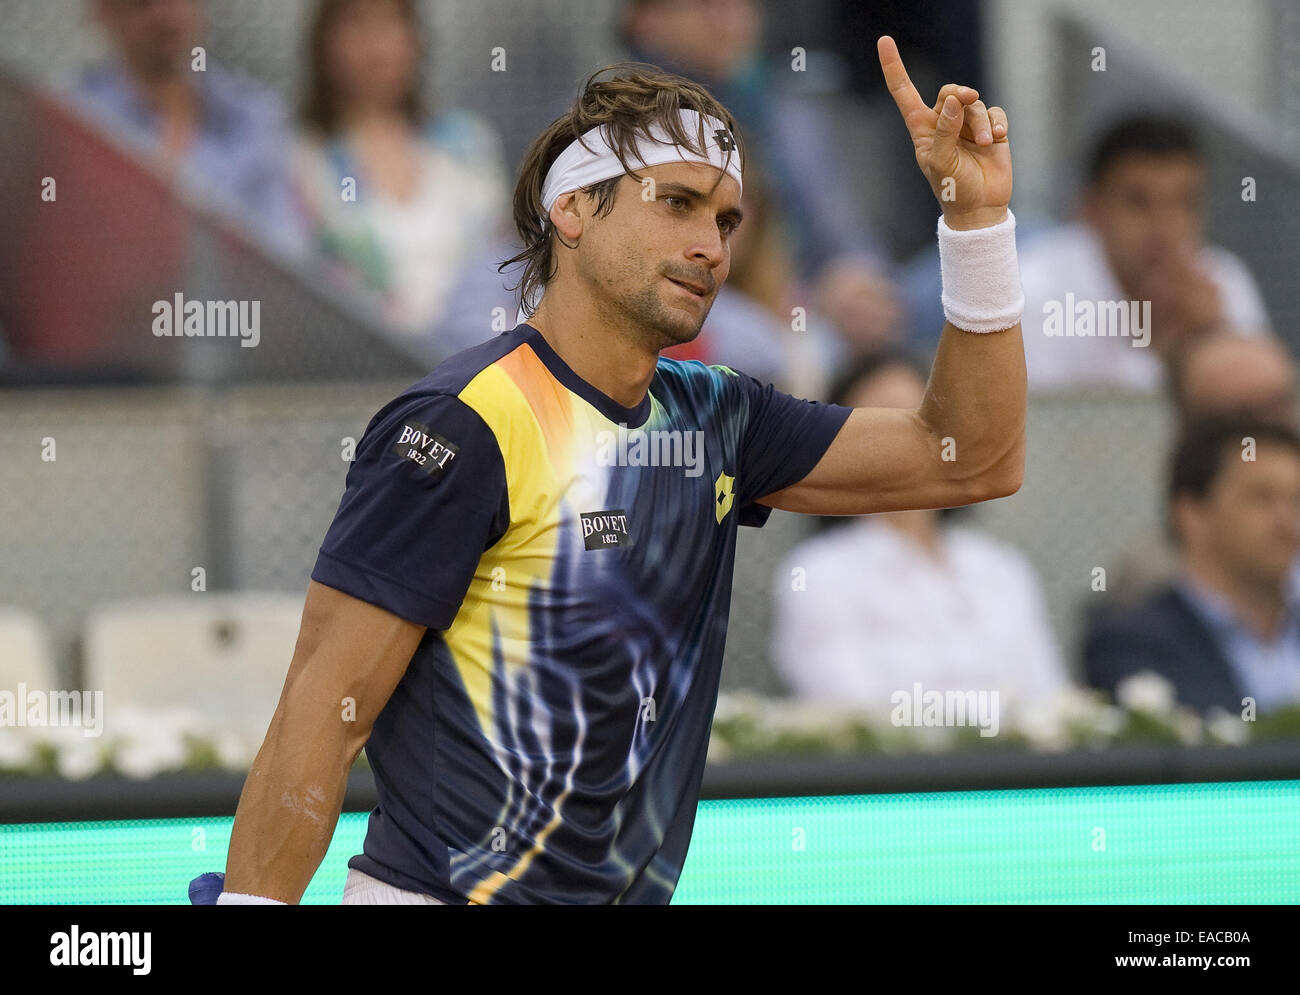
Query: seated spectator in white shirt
[
  {"x": 872, "y": 606},
  {"x": 398, "y": 201},
  {"x": 1139, "y": 237}
]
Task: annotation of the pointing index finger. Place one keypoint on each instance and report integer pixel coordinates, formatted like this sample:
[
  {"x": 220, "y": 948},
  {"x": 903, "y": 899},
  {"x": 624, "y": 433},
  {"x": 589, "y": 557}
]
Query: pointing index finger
[{"x": 896, "y": 78}]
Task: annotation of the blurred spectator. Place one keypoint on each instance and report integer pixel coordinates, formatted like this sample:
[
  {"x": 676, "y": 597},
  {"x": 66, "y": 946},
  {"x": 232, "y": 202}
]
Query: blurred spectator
[
  {"x": 1225, "y": 374},
  {"x": 398, "y": 202},
  {"x": 872, "y": 606},
  {"x": 1222, "y": 374},
  {"x": 222, "y": 135},
  {"x": 1228, "y": 626},
  {"x": 1139, "y": 238},
  {"x": 717, "y": 42}
]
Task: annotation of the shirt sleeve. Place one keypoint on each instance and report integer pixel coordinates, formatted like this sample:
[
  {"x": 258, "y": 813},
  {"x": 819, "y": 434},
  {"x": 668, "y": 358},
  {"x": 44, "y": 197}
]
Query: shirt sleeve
[
  {"x": 783, "y": 440},
  {"x": 425, "y": 496}
]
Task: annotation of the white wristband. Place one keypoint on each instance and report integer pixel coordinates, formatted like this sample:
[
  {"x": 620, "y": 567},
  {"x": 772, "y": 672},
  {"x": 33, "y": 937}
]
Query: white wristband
[
  {"x": 236, "y": 898},
  {"x": 981, "y": 277}
]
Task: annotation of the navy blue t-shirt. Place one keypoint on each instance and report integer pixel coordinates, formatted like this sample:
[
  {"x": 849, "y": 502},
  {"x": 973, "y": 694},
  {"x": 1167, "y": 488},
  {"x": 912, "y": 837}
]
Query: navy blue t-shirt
[{"x": 572, "y": 560}]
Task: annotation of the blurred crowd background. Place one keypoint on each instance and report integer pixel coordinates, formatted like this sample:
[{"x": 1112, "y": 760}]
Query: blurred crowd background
[{"x": 348, "y": 165}]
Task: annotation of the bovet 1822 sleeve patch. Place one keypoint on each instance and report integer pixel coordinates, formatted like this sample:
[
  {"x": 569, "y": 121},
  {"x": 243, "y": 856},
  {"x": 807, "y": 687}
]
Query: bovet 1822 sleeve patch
[{"x": 425, "y": 448}]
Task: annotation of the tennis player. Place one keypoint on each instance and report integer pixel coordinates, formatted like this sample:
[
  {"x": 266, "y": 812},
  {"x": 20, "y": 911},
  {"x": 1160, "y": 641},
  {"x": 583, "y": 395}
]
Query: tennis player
[{"x": 520, "y": 607}]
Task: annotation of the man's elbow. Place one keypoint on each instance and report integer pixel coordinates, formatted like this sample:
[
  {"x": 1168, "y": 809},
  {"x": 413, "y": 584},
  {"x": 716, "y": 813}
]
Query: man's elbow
[
  {"x": 1007, "y": 475},
  {"x": 1001, "y": 480},
  {"x": 1005, "y": 483}
]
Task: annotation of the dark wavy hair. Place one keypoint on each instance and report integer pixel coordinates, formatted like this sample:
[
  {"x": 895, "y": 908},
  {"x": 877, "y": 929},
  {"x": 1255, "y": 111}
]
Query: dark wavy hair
[{"x": 637, "y": 97}]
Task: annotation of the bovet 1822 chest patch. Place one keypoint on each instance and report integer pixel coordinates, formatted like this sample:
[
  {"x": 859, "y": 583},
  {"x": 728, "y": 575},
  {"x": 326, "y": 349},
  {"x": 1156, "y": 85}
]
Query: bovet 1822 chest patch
[
  {"x": 425, "y": 448},
  {"x": 603, "y": 529}
]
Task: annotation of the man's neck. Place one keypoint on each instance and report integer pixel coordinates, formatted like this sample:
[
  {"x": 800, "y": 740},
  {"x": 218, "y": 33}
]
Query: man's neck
[
  {"x": 607, "y": 354},
  {"x": 1259, "y": 605}
]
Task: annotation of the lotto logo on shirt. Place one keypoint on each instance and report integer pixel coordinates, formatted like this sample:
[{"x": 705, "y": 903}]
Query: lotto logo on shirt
[
  {"x": 601, "y": 529},
  {"x": 425, "y": 448}
]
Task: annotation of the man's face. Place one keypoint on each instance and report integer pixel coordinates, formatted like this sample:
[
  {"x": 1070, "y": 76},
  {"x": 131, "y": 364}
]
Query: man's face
[
  {"x": 630, "y": 259},
  {"x": 154, "y": 36},
  {"x": 1249, "y": 522},
  {"x": 1145, "y": 206}
]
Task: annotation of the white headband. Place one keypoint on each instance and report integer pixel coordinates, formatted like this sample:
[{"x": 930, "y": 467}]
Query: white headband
[{"x": 578, "y": 166}]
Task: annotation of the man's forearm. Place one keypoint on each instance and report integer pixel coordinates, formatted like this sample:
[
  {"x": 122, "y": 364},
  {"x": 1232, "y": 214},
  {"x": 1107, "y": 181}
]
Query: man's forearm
[
  {"x": 290, "y": 804},
  {"x": 976, "y": 398}
]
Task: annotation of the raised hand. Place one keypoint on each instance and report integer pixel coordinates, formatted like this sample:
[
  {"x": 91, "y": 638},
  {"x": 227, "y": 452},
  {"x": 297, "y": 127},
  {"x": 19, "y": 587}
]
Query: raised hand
[{"x": 961, "y": 145}]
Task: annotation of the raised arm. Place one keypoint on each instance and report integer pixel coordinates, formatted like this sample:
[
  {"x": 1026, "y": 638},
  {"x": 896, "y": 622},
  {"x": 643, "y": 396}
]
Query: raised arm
[
  {"x": 347, "y": 651},
  {"x": 966, "y": 441}
]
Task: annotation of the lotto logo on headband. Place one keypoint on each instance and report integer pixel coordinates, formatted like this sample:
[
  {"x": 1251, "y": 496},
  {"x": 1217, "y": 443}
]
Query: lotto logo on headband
[{"x": 725, "y": 141}]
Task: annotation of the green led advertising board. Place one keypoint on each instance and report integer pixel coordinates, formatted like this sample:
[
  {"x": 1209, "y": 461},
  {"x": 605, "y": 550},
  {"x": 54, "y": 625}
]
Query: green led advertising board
[{"x": 1179, "y": 844}]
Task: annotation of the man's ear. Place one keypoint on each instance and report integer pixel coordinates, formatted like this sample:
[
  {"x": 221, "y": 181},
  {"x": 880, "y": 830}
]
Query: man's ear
[{"x": 567, "y": 217}]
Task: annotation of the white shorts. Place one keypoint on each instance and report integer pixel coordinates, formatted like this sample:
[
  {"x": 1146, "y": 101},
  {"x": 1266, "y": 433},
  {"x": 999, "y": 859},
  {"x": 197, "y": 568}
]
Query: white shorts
[{"x": 362, "y": 889}]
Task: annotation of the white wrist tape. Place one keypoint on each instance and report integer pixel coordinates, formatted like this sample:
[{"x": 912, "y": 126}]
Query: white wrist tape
[
  {"x": 981, "y": 277},
  {"x": 236, "y": 898}
]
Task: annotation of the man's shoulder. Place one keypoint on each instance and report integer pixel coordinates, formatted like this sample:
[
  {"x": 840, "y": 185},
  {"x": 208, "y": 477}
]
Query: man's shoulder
[
  {"x": 456, "y": 371},
  {"x": 1163, "y": 613}
]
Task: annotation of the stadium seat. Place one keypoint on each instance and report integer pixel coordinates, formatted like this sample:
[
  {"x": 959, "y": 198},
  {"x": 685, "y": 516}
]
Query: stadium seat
[
  {"x": 223, "y": 656},
  {"x": 24, "y": 651}
]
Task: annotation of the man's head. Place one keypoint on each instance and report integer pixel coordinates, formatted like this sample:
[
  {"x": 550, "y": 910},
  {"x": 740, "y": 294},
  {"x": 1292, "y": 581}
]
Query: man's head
[
  {"x": 1145, "y": 192},
  {"x": 886, "y": 378},
  {"x": 711, "y": 38},
  {"x": 633, "y": 246},
  {"x": 154, "y": 37},
  {"x": 1227, "y": 374},
  {"x": 889, "y": 377},
  {"x": 1234, "y": 499}
]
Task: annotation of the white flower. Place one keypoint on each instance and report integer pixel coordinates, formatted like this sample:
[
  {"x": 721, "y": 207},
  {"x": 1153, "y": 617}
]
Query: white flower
[
  {"x": 1187, "y": 725},
  {"x": 80, "y": 758},
  {"x": 1111, "y": 721},
  {"x": 1226, "y": 727},
  {"x": 1042, "y": 726},
  {"x": 149, "y": 741},
  {"x": 17, "y": 748},
  {"x": 1146, "y": 692},
  {"x": 77, "y": 756}
]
